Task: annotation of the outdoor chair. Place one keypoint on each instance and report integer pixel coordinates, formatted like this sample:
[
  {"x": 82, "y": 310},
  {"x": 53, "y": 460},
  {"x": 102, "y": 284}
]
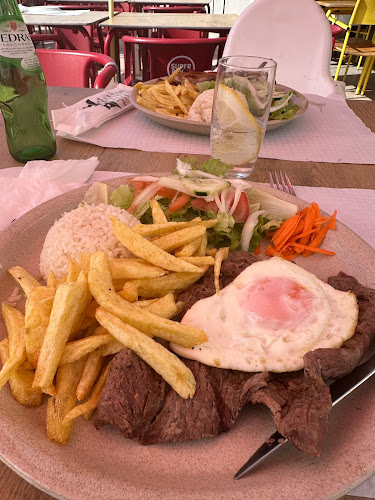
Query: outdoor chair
[
  {"x": 67, "y": 68},
  {"x": 161, "y": 56},
  {"x": 362, "y": 15},
  {"x": 302, "y": 50}
]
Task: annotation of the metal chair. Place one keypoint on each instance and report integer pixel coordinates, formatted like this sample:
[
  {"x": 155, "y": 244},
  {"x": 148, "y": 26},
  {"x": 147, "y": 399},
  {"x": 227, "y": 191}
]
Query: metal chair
[
  {"x": 67, "y": 68},
  {"x": 161, "y": 56},
  {"x": 362, "y": 15}
]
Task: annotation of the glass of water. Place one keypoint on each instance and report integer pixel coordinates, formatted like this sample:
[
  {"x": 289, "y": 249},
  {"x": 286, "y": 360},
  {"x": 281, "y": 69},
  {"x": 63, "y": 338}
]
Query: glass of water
[{"x": 242, "y": 101}]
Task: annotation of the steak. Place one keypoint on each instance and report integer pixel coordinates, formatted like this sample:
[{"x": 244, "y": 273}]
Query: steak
[
  {"x": 143, "y": 406},
  {"x": 194, "y": 77},
  {"x": 230, "y": 268}
]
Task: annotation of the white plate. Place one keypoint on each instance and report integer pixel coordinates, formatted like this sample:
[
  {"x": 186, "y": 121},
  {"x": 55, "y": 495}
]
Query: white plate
[
  {"x": 99, "y": 465},
  {"x": 193, "y": 127}
]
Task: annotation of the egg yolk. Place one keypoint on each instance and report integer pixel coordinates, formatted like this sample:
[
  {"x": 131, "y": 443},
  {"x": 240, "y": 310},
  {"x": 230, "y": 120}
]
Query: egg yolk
[{"x": 278, "y": 303}]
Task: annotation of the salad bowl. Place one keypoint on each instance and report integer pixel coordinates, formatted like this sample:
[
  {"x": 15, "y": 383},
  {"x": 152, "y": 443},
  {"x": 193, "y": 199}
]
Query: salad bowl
[{"x": 201, "y": 128}]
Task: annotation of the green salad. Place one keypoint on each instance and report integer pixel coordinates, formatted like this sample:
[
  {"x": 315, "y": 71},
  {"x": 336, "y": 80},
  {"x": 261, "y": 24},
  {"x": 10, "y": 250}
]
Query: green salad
[{"x": 244, "y": 212}]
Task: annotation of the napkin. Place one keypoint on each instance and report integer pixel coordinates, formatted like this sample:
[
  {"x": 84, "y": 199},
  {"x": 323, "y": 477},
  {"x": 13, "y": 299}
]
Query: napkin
[
  {"x": 92, "y": 111},
  {"x": 39, "y": 181},
  {"x": 50, "y": 10}
]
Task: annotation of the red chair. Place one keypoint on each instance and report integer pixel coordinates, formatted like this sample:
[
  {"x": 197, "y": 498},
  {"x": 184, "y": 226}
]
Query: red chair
[
  {"x": 336, "y": 31},
  {"x": 161, "y": 56},
  {"x": 66, "y": 68}
]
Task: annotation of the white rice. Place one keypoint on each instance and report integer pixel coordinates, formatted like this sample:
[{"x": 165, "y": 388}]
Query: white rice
[{"x": 86, "y": 229}]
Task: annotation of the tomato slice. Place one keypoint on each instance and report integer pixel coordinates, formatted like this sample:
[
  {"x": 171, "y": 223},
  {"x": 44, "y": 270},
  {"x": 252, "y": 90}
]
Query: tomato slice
[
  {"x": 179, "y": 202},
  {"x": 240, "y": 214},
  {"x": 167, "y": 192},
  {"x": 205, "y": 206},
  {"x": 138, "y": 185}
]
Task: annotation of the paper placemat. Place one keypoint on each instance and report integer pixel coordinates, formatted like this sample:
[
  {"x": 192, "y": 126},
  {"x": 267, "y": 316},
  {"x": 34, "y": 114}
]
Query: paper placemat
[{"x": 329, "y": 131}]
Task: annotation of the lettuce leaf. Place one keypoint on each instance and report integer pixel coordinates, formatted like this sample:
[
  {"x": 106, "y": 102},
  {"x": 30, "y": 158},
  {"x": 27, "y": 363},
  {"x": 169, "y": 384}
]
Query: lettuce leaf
[
  {"x": 202, "y": 86},
  {"x": 123, "y": 196},
  {"x": 212, "y": 166},
  {"x": 285, "y": 113}
]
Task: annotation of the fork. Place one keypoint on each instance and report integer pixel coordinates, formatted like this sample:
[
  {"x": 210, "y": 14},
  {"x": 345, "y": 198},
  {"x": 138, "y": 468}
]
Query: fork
[{"x": 281, "y": 182}]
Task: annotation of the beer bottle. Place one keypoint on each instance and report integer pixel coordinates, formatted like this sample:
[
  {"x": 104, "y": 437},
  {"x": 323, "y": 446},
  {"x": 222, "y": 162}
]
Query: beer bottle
[{"x": 23, "y": 90}]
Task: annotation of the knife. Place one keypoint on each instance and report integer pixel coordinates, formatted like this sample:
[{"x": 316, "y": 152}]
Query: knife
[{"x": 339, "y": 390}]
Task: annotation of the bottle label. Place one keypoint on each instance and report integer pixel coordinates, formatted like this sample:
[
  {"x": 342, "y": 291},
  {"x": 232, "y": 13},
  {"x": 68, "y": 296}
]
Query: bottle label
[{"x": 16, "y": 46}]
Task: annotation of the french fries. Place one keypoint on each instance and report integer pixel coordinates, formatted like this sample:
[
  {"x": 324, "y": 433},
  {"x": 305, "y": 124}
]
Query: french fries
[
  {"x": 71, "y": 327},
  {"x": 15, "y": 325},
  {"x": 221, "y": 255},
  {"x": 143, "y": 248},
  {"x": 38, "y": 309},
  {"x": 102, "y": 289},
  {"x": 70, "y": 302},
  {"x": 21, "y": 381},
  {"x": 167, "y": 99},
  {"x": 164, "y": 362},
  {"x": 67, "y": 379},
  {"x": 159, "y": 287}
]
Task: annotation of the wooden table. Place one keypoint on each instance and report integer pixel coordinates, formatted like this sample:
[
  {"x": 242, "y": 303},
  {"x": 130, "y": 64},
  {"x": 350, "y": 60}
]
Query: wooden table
[
  {"x": 87, "y": 19},
  {"x": 136, "y": 5},
  {"x": 338, "y": 175},
  {"x": 139, "y": 20},
  {"x": 83, "y": 2}
]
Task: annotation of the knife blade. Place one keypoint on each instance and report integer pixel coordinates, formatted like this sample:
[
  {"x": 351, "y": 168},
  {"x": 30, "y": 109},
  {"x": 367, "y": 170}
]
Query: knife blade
[{"x": 339, "y": 390}]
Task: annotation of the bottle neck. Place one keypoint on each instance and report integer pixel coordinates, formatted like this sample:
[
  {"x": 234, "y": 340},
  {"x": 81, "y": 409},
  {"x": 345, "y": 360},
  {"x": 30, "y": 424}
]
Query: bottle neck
[{"x": 9, "y": 8}]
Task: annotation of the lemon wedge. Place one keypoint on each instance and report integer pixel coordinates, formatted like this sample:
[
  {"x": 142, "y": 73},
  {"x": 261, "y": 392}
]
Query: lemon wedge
[{"x": 236, "y": 137}]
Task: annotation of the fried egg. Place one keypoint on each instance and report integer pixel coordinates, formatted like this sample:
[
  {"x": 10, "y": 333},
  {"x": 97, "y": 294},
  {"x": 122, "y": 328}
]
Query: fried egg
[{"x": 269, "y": 317}]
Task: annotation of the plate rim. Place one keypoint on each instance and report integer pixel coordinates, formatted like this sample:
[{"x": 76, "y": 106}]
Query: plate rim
[{"x": 201, "y": 128}]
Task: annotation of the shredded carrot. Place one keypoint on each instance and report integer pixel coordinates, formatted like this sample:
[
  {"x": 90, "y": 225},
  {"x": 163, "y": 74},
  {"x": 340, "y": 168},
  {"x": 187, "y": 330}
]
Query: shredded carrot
[
  {"x": 257, "y": 250},
  {"x": 302, "y": 234}
]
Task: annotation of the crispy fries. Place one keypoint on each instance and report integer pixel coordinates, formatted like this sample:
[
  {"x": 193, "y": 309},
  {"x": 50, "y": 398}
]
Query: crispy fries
[
  {"x": 158, "y": 216},
  {"x": 67, "y": 379},
  {"x": 221, "y": 255},
  {"x": 70, "y": 302},
  {"x": 159, "y": 287},
  {"x": 91, "y": 404},
  {"x": 27, "y": 282},
  {"x": 102, "y": 289},
  {"x": 167, "y": 99},
  {"x": 164, "y": 362},
  {"x": 72, "y": 326},
  {"x": 15, "y": 325},
  {"x": 21, "y": 381},
  {"x": 143, "y": 248}
]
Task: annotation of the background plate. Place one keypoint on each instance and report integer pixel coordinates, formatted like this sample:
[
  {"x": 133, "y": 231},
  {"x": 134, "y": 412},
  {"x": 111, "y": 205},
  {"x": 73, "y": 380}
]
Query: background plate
[
  {"x": 103, "y": 465},
  {"x": 193, "y": 127}
]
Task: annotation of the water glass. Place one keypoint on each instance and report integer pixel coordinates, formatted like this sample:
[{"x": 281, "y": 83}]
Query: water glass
[{"x": 242, "y": 101}]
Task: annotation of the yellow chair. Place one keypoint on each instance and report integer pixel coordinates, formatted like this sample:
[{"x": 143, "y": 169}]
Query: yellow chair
[{"x": 362, "y": 15}]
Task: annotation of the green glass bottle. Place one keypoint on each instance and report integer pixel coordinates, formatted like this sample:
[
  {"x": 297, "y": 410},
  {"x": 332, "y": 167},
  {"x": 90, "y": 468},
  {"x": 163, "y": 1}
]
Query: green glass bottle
[{"x": 23, "y": 90}]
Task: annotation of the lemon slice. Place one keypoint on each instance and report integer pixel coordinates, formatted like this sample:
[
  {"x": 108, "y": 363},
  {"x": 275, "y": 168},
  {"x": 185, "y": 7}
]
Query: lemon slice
[{"x": 236, "y": 137}]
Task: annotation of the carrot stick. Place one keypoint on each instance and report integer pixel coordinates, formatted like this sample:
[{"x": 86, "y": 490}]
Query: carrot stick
[
  {"x": 314, "y": 249},
  {"x": 302, "y": 234}
]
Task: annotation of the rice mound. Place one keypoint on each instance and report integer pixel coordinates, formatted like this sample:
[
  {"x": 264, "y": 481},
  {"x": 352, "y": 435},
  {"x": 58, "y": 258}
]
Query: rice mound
[{"x": 85, "y": 229}]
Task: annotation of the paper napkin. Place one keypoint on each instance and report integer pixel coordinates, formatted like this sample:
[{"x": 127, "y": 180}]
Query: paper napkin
[
  {"x": 93, "y": 111},
  {"x": 38, "y": 182}
]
